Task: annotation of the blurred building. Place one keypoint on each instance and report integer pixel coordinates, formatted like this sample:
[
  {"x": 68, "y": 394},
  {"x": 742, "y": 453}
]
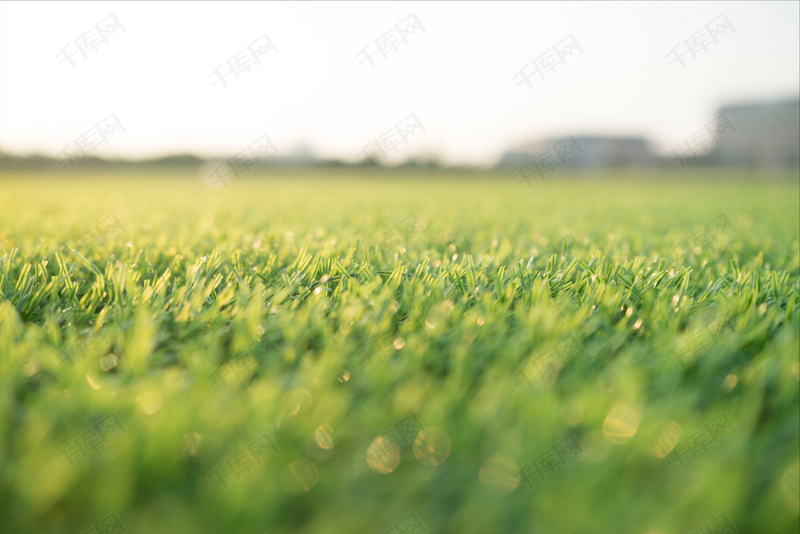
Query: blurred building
[
  {"x": 761, "y": 134},
  {"x": 584, "y": 151}
]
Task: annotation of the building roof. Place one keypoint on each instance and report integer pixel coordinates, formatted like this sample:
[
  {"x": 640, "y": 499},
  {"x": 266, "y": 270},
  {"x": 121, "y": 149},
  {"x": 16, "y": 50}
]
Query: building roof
[
  {"x": 762, "y": 106},
  {"x": 545, "y": 143}
]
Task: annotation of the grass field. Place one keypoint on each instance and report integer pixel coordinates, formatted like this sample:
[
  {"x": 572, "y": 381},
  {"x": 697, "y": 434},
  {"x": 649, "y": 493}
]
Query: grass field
[{"x": 348, "y": 354}]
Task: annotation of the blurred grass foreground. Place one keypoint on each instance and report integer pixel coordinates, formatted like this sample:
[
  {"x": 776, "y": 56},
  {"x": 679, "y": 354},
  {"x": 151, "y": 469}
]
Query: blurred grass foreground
[{"x": 321, "y": 352}]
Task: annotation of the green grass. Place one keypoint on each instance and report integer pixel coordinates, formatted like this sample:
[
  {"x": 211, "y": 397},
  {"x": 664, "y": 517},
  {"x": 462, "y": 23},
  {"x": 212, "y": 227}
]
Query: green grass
[{"x": 518, "y": 321}]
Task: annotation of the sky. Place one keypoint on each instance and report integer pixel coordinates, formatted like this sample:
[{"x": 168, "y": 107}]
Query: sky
[{"x": 462, "y": 81}]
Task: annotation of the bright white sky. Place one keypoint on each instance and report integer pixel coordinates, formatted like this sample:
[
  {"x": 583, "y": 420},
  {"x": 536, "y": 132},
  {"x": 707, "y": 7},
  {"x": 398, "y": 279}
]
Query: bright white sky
[{"x": 457, "y": 76}]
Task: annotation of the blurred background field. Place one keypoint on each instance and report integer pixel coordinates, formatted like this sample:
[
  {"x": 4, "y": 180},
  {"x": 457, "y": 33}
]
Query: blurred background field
[{"x": 326, "y": 351}]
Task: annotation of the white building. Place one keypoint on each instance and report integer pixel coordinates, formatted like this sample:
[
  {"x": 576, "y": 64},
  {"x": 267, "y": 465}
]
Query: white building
[
  {"x": 765, "y": 134},
  {"x": 585, "y": 151}
]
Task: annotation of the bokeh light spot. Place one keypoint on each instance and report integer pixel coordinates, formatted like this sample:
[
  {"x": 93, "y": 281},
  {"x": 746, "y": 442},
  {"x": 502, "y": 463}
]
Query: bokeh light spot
[
  {"x": 667, "y": 439},
  {"x": 729, "y": 382},
  {"x": 572, "y": 413},
  {"x": 501, "y": 472},
  {"x": 324, "y": 436},
  {"x": 92, "y": 383},
  {"x": 621, "y": 424},
  {"x": 383, "y": 455},
  {"x": 790, "y": 484},
  {"x": 299, "y": 476},
  {"x": 595, "y": 447},
  {"x": 108, "y": 362},
  {"x": 297, "y": 400},
  {"x": 150, "y": 401},
  {"x": 432, "y": 446},
  {"x": 31, "y": 368}
]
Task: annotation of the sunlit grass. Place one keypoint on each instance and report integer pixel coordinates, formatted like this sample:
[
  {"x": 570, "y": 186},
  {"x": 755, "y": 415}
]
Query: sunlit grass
[{"x": 333, "y": 354}]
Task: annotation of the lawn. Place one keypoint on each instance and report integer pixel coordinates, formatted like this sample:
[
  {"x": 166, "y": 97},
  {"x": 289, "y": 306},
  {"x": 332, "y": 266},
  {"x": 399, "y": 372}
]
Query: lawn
[{"x": 362, "y": 351}]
